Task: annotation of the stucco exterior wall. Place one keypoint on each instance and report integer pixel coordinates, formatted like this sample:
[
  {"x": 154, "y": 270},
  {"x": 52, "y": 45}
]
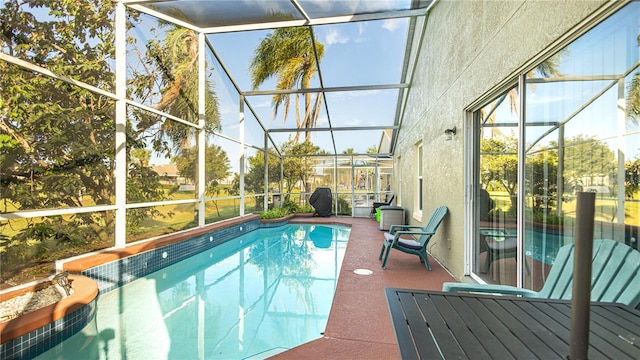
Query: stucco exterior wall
[{"x": 469, "y": 47}]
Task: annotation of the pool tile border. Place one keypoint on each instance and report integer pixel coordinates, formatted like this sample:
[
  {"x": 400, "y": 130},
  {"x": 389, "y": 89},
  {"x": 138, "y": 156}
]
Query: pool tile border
[{"x": 155, "y": 255}]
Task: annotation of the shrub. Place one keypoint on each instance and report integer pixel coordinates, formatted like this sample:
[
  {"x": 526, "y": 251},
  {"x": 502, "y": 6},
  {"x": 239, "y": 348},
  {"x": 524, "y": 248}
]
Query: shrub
[
  {"x": 276, "y": 212},
  {"x": 306, "y": 209},
  {"x": 290, "y": 206},
  {"x": 344, "y": 207}
]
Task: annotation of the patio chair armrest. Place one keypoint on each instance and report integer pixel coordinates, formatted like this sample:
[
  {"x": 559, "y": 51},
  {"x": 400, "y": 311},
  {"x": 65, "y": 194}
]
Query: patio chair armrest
[
  {"x": 414, "y": 234},
  {"x": 393, "y": 238},
  {"x": 395, "y": 228},
  {"x": 488, "y": 288}
]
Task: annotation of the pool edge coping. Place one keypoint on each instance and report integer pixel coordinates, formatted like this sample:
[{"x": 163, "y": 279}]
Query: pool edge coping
[{"x": 80, "y": 263}]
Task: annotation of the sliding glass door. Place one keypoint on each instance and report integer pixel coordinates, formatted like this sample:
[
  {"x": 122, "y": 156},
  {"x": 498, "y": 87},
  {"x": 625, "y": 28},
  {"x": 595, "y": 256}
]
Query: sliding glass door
[{"x": 579, "y": 130}]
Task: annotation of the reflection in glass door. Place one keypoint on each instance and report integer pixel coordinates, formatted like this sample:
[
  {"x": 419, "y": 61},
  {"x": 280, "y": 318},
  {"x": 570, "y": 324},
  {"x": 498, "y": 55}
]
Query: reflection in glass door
[
  {"x": 582, "y": 135},
  {"x": 580, "y": 132},
  {"x": 496, "y": 191}
]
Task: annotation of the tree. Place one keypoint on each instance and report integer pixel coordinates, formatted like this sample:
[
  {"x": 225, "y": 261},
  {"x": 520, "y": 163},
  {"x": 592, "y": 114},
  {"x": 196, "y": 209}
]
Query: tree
[
  {"x": 254, "y": 178},
  {"x": 140, "y": 157},
  {"x": 632, "y": 178},
  {"x": 216, "y": 164},
  {"x": 499, "y": 165},
  {"x": 175, "y": 67},
  {"x": 216, "y": 168},
  {"x": 143, "y": 184},
  {"x": 58, "y": 140},
  {"x": 586, "y": 159},
  {"x": 540, "y": 177},
  {"x": 234, "y": 189},
  {"x": 289, "y": 54},
  {"x": 298, "y": 167},
  {"x": 633, "y": 97},
  {"x": 546, "y": 69}
]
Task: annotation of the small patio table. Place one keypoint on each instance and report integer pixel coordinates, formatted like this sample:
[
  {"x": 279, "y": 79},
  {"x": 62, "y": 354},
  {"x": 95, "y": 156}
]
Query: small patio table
[{"x": 439, "y": 325}]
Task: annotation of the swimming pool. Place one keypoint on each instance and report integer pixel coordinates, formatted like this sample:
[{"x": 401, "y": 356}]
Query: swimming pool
[{"x": 262, "y": 293}]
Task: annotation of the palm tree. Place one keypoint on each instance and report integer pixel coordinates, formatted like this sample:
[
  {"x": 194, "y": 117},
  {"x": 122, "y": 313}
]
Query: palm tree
[
  {"x": 177, "y": 58},
  {"x": 289, "y": 54}
]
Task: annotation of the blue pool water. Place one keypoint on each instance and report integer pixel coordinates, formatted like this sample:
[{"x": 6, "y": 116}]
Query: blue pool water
[
  {"x": 543, "y": 246},
  {"x": 540, "y": 245},
  {"x": 249, "y": 298}
]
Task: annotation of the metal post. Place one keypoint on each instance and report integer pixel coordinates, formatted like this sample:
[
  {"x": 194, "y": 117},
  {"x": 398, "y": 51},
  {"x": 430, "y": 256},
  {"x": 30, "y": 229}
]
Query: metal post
[
  {"x": 242, "y": 155},
  {"x": 581, "y": 292},
  {"x": 202, "y": 140},
  {"x": 121, "y": 125},
  {"x": 265, "y": 200}
]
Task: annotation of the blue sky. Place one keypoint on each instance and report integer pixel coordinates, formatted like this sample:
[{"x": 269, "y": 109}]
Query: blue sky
[
  {"x": 363, "y": 53},
  {"x": 367, "y": 53}
]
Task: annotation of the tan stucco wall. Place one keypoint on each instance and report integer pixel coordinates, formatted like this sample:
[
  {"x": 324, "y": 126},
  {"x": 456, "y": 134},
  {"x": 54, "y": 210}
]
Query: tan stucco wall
[{"x": 469, "y": 48}]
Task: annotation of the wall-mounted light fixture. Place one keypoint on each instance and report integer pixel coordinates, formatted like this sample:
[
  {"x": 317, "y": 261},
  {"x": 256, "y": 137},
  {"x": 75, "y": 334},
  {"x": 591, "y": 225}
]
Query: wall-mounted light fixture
[{"x": 450, "y": 132}]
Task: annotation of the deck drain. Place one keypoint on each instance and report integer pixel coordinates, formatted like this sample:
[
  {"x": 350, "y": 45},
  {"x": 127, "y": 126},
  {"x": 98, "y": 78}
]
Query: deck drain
[{"x": 363, "y": 271}]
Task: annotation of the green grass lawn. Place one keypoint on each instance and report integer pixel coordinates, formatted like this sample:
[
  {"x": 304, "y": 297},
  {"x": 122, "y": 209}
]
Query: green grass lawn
[{"x": 605, "y": 209}]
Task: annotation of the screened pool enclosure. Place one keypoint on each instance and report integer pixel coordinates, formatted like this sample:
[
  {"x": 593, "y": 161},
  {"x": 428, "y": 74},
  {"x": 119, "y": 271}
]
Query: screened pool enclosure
[
  {"x": 127, "y": 120},
  {"x": 122, "y": 121}
]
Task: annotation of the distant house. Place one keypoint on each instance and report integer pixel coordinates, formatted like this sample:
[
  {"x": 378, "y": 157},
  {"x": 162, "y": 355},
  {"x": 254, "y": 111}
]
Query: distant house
[
  {"x": 384, "y": 146},
  {"x": 169, "y": 174}
]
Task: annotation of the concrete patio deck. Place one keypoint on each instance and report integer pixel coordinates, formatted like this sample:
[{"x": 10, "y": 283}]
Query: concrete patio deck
[{"x": 359, "y": 325}]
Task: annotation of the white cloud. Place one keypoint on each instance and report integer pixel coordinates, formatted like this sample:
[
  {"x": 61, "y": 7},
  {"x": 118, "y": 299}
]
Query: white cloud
[
  {"x": 323, "y": 121},
  {"x": 533, "y": 98},
  {"x": 391, "y": 24},
  {"x": 353, "y": 121},
  {"x": 262, "y": 104},
  {"x": 226, "y": 110},
  {"x": 362, "y": 29},
  {"x": 334, "y": 37}
]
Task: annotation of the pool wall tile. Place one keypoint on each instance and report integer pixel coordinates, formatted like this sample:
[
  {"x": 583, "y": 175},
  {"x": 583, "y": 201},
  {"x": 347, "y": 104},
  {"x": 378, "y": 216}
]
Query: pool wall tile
[
  {"x": 123, "y": 271},
  {"x": 38, "y": 341},
  {"x": 271, "y": 224}
]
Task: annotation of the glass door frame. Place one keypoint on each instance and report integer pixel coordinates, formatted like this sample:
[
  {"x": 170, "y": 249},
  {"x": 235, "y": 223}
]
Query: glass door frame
[{"x": 472, "y": 176}]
